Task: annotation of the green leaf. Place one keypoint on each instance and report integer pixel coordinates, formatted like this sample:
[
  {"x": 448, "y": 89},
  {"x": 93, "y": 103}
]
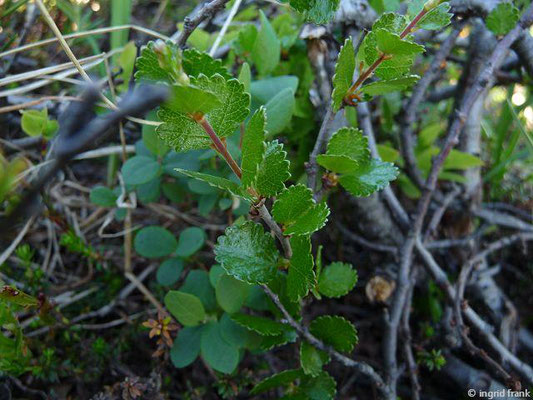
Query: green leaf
[
  {"x": 253, "y": 147},
  {"x": 247, "y": 253},
  {"x": 150, "y": 191},
  {"x": 301, "y": 277},
  {"x": 386, "y": 86},
  {"x": 158, "y": 63},
  {"x": 151, "y": 140},
  {"x": 215, "y": 273},
  {"x": 267, "y": 48},
  {"x": 197, "y": 283},
  {"x": 503, "y": 18},
  {"x": 190, "y": 241},
  {"x": 169, "y": 271},
  {"x": 187, "y": 308},
  {"x": 298, "y": 212},
  {"x": 15, "y": 296},
  {"x": 217, "y": 352},
  {"x": 186, "y": 346},
  {"x": 182, "y": 133},
  {"x": 437, "y": 18},
  {"x": 103, "y": 196},
  {"x": 245, "y": 77},
  {"x": 339, "y": 164},
  {"x": 264, "y": 90},
  {"x": 261, "y": 325},
  {"x": 216, "y": 181},
  {"x": 196, "y": 62},
  {"x": 140, "y": 169},
  {"x": 393, "y": 44},
  {"x": 235, "y": 334},
  {"x": 322, "y": 387},
  {"x": 281, "y": 379},
  {"x": 344, "y": 70},
  {"x": 191, "y": 100},
  {"x": 370, "y": 178},
  {"x": 36, "y": 123},
  {"x": 347, "y": 149},
  {"x": 337, "y": 280},
  {"x": 231, "y": 293},
  {"x": 273, "y": 171},
  {"x": 396, "y": 67},
  {"x": 279, "y": 111},
  {"x": 154, "y": 242},
  {"x": 270, "y": 342},
  {"x": 316, "y": 11},
  {"x": 461, "y": 160},
  {"x": 391, "y": 22},
  {"x": 126, "y": 62},
  {"x": 312, "y": 359},
  {"x": 335, "y": 331}
]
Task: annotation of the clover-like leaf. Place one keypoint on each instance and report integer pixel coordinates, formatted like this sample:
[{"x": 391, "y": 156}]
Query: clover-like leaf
[
  {"x": 216, "y": 351},
  {"x": 301, "y": 277},
  {"x": 183, "y": 133},
  {"x": 337, "y": 279},
  {"x": 273, "y": 171},
  {"x": 388, "y": 86},
  {"x": 369, "y": 178},
  {"x": 247, "y": 253},
  {"x": 253, "y": 147},
  {"x": 196, "y": 63},
  {"x": 312, "y": 359},
  {"x": 503, "y": 18},
  {"x": 261, "y": 325},
  {"x": 298, "y": 212},
  {"x": 335, "y": 331},
  {"x": 187, "y": 308},
  {"x": 186, "y": 346},
  {"x": 344, "y": 70}
]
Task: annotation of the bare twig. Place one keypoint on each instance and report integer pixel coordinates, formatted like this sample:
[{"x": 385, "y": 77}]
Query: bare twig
[{"x": 322, "y": 139}]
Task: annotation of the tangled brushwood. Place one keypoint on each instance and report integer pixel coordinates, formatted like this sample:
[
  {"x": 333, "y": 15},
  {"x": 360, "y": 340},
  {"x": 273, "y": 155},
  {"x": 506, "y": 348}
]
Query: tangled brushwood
[{"x": 298, "y": 199}]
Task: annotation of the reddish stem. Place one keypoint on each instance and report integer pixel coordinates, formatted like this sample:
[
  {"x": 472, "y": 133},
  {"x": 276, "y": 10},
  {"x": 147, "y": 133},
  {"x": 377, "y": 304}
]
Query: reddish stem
[{"x": 220, "y": 147}]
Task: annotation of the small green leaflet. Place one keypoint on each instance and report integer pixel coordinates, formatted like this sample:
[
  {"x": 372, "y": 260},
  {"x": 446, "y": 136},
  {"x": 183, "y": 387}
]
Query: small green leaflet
[
  {"x": 183, "y": 133},
  {"x": 301, "y": 277},
  {"x": 191, "y": 100},
  {"x": 344, "y": 70},
  {"x": 196, "y": 63},
  {"x": 503, "y": 18},
  {"x": 216, "y": 181},
  {"x": 437, "y": 18},
  {"x": 267, "y": 47},
  {"x": 347, "y": 150},
  {"x": 253, "y": 147},
  {"x": 159, "y": 63},
  {"x": 391, "y": 44},
  {"x": 322, "y": 387},
  {"x": 387, "y": 86},
  {"x": 187, "y": 308},
  {"x": 370, "y": 178},
  {"x": 337, "y": 280},
  {"x": 273, "y": 171},
  {"x": 316, "y": 11},
  {"x": 298, "y": 212},
  {"x": 231, "y": 293},
  {"x": 216, "y": 351},
  {"x": 312, "y": 359},
  {"x": 280, "y": 379},
  {"x": 335, "y": 331},
  {"x": 261, "y": 325},
  {"x": 186, "y": 346},
  {"x": 247, "y": 253}
]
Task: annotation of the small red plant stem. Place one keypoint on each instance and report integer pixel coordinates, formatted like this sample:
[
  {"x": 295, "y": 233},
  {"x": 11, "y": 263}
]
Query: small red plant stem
[
  {"x": 220, "y": 147},
  {"x": 370, "y": 70}
]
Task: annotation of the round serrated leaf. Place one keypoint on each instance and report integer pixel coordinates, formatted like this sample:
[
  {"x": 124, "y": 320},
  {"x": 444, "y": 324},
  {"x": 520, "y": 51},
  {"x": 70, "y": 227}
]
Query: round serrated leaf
[
  {"x": 337, "y": 279},
  {"x": 335, "y": 331},
  {"x": 154, "y": 242},
  {"x": 169, "y": 271},
  {"x": 103, "y": 196},
  {"x": 219, "y": 354},
  {"x": 140, "y": 169},
  {"x": 190, "y": 241},
  {"x": 186, "y": 346},
  {"x": 247, "y": 253},
  {"x": 187, "y": 308},
  {"x": 231, "y": 293}
]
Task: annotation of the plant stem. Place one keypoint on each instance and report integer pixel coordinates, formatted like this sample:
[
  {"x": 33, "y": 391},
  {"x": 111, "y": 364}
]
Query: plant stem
[
  {"x": 220, "y": 147},
  {"x": 371, "y": 69}
]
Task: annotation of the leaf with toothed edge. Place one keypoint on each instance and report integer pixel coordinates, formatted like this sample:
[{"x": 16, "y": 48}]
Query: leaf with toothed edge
[
  {"x": 248, "y": 253},
  {"x": 196, "y": 62},
  {"x": 344, "y": 70},
  {"x": 283, "y": 378},
  {"x": 388, "y": 86},
  {"x": 261, "y": 325},
  {"x": 312, "y": 359},
  {"x": 273, "y": 171},
  {"x": 369, "y": 178},
  {"x": 253, "y": 147},
  {"x": 335, "y": 331},
  {"x": 298, "y": 212},
  {"x": 301, "y": 277},
  {"x": 337, "y": 279},
  {"x": 437, "y": 18}
]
